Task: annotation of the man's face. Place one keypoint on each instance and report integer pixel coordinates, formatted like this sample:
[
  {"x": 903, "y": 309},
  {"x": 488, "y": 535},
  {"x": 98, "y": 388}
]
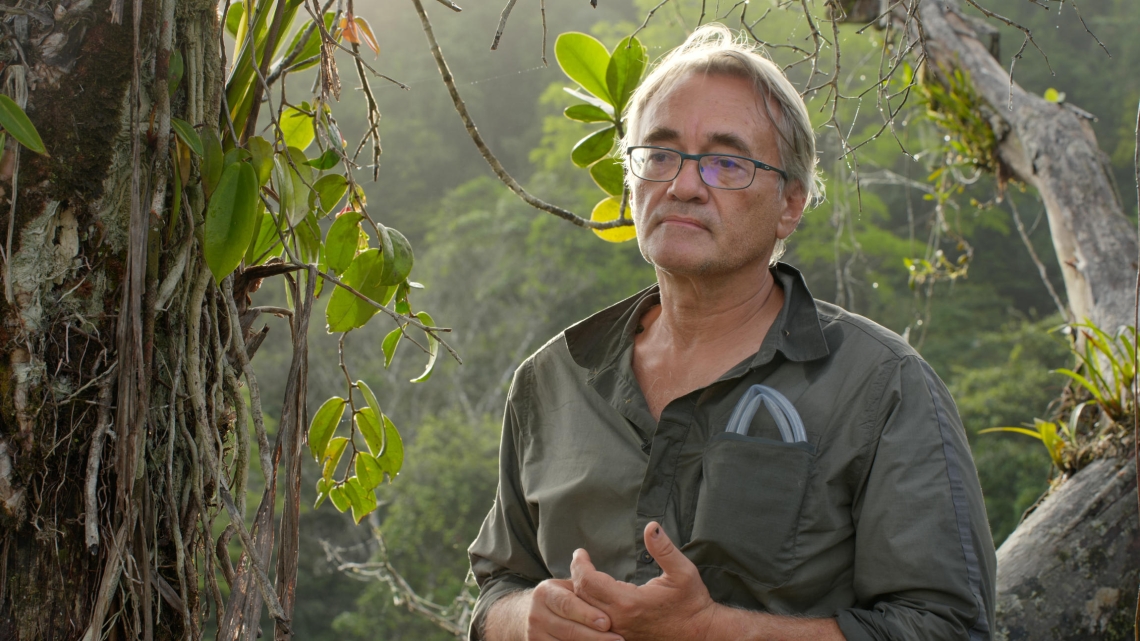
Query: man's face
[{"x": 687, "y": 228}]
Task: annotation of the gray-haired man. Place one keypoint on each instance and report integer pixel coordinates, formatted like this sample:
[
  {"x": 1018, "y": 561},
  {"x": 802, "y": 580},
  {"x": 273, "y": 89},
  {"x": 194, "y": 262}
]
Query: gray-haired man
[{"x": 721, "y": 456}]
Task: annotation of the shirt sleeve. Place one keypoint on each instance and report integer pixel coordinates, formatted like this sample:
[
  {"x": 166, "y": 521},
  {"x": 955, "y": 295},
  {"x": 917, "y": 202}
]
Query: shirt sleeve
[
  {"x": 505, "y": 556},
  {"x": 924, "y": 558}
]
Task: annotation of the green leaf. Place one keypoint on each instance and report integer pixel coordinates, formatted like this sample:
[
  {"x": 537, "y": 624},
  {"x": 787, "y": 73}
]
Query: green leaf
[
  {"x": 1016, "y": 430},
  {"x": 609, "y": 174},
  {"x": 369, "y": 427},
  {"x": 362, "y": 500},
  {"x": 624, "y": 71},
  {"x": 185, "y": 132},
  {"x": 368, "y": 471},
  {"x": 389, "y": 345},
  {"x": 267, "y": 240},
  {"x": 342, "y": 241},
  {"x": 308, "y": 235},
  {"x": 345, "y": 311},
  {"x": 339, "y": 498},
  {"x": 370, "y": 397},
  {"x": 213, "y": 160},
  {"x": 392, "y": 459},
  {"x": 398, "y": 264},
  {"x": 237, "y": 154},
  {"x": 594, "y": 147},
  {"x": 433, "y": 348},
  {"x": 323, "y": 487},
  {"x": 324, "y": 424},
  {"x": 587, "y": 113},
  {"x": 262, "y": 154},
  {"x": 327, "y": 192},
  {"x": 292, "y": 189},
  {"x": 234, "y": 18},
  {"x": 297, "y": 128},
  {"x": 584, "y": 59},
  {"x": 312, "y": 46},
  {"x": 231, "y": 217},
  {"x": 333, "y": 453},
  {"x": 16, "y": 123},
  {"x": 174, "y": 75},
  {"x": 606, "y": 107},
  {"x": 327, "y": 160}
]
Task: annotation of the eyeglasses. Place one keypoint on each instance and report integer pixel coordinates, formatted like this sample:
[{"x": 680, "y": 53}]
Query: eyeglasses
[{"x": 662, "y": 165}]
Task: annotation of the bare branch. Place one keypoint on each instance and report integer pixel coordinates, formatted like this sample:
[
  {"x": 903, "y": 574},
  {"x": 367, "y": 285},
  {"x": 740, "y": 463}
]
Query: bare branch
[{"x": 503, "y": 25}]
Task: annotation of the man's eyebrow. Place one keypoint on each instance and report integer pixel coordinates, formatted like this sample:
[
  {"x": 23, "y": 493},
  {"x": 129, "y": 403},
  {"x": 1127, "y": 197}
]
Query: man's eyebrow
[
  {"x": 729, "y": 140},
  {"x": 659, "y": 135}
]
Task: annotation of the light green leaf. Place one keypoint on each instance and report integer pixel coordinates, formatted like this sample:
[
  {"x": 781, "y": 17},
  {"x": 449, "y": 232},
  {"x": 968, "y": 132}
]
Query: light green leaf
[
  {"x": 624, "y": 71},
  {"x": 267, "y": 241},
  {"x": 174, "y": 75},
  {"x": 323, "y": 487},
  {"x": 237, "y": 154},
  {"x": 333, "y": 453},
  {"x": 185, "y": 132},
  {"x": 362, "y": 500},
  {"x": 308, "y": 235},
  {"x": 342, "y": 241},
  {"x": 324, "y": 424},
  {"x": 392, "y": 460},
  {"x": 606, "y": 107},
  {"x": 398, "y": 264},
  {"x": 262, "y": 153},
  {"x": 368, "y": 471},
  {"x": 16, "y": 123},
  {"x": 594, "y": 147},
  {"x": 213, "y": 160},
  {"x": 389, "y": 345},
  {"x": 291, "y": 187},
  {"x": 327, "y": 160},
  {"x": 584, "y": 59},
  {"x": 231, "y": 217},
  {"x": 587, "y": 113},
  {"x": 345, "y": 311},
  {"x": 312, "y": 46},
  {"x": 373, "y": 402},
  {"x": 609, "y": 174},
  {"x": 234, "y": 18},
  {"x": 339, "y": 498},
  {"x": 327, "y": 192},
  {"x": 370, "y": 428},
  {"x": 433, "y": 348},
  {"x": 297, "y": 128}
]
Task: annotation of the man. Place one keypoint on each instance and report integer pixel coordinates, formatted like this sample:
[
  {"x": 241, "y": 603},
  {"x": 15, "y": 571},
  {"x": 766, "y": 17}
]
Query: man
[{"x": 625, "y": 509}]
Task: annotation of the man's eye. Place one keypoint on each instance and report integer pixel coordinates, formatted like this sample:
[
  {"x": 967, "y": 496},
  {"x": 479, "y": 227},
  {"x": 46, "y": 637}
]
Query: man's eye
[
  {"x": 658, "y": 158},
  {"x": 727, "y": 163}
]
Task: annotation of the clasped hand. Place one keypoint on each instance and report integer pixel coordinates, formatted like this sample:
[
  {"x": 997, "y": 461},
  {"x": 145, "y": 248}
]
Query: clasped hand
[{"x": 593, "y": 606}]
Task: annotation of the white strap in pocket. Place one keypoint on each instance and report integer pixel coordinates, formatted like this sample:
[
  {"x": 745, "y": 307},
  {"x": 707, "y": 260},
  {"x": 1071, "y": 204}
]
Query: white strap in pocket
[{"x": 787, "y": 419}]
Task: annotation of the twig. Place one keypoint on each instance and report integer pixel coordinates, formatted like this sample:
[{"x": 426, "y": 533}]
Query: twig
[
  {"x": 477, "y": 138},
  {"x": 450, "y": 5},
  {"x": 503, "y": 25},
  {"x": 1037, "y": 261},
  {"x": 94, "y": 457},
  {"x": 8, "y": 296},
  {"x": 542, "y": 12},
  {"x": 647, "y": 17}
]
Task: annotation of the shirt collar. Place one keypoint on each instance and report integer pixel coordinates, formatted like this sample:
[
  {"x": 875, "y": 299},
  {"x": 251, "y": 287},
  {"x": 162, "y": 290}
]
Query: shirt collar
[{"x": 599, "y": 340}]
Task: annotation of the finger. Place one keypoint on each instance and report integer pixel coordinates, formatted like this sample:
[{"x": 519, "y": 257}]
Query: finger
[
  {"x": 596, "y": 588},
  {"x": 580, "y": 564},
  {"x": 667, "y": 556},
  {"x": 560, "y": 599},
  {"x": 564, "y": 630}
]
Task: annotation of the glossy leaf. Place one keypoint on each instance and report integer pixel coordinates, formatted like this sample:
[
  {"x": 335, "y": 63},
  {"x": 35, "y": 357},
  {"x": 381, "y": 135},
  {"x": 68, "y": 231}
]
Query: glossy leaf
[
  {"x": 342, "y": 241},
  {"x": 309, "y": 54},
  {"x": 323, "y": 487},
  {"x": 174, "y": 75},
  {"x": 368, "y": 471},
  {"x": 373, "y": 402},
  {"x": 297, "y": 128},
  {"x": 18, "y": 126},
  {"x": 185, "y": 132},
  {"x": 345, "y": 310},
  {"x": 584, "y": 59},
  {"x": 607, "y": 210},
  {"x": 237, "y": 154},
  {"x": 587, "y": 113},
  {"x": 327, "y": 160},
  {"x": 398, "y": 264},
  {"x": 392, "y": 460},
  {"x": 213, "y": 160},
  {"x": 609, "y": 174},
  {"x": 433, "y": 348},
  {"x": 362, "y": 500},
  {"x": 389, "y": 345},
  {"x": 606, "y": 107},
  {"x": 262, "y": 155},
  {"x": 594, "y": 147},
  {"x": 370, "y": 428},
  {"x": 323, "y": 425},
  {"x": 624, "y": 71},
  {"x": 339, "y": 498},
  {"x": 327, "y": 192},
  {"x": 308, "y": 235},
  {"x": 267, "y": 244},
  {"x": 333, "y": 453},
  {"x": 291, "y": 187},
  {"x": 364, "y": 31},
  {"x": 234, "y": 18},
  {"x": 230, "y": 220}
]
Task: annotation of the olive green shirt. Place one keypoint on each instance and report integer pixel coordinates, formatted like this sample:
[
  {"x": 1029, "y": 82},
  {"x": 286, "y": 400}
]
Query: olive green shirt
[{"x": 877, "y": 519}]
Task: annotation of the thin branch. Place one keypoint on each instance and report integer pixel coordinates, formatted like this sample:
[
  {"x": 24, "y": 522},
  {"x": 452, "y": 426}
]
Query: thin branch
[
  {"x": 450, "y": 5},
  {"x": 647, "y": 17},
  {"x": 1037, "y": 261},
  {"x": 477, "y": 138},
  {"x": 503, "y": 24}
]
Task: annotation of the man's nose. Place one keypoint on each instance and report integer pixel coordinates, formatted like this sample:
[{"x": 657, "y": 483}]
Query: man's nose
[{"x": 688, "y": 186}]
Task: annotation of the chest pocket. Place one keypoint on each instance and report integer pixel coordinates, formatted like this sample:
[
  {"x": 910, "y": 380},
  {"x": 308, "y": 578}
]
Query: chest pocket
[{"x": 748, "y": 507}]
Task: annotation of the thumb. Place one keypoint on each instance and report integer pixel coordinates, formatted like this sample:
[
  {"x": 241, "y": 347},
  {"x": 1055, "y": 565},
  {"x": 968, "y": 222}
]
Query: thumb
[
  {"x": 661, "y": 548},
  {"x": 580, "y": 565}
]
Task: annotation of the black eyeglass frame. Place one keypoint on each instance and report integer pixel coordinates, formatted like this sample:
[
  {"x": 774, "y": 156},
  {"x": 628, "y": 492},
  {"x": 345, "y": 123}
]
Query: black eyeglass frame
[{"x": 697, "y": 159}]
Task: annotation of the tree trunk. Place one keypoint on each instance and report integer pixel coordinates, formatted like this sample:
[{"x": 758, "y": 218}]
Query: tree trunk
[
  {"x": 94, "y": 481},
  {"x": 1070, "y": 569}
]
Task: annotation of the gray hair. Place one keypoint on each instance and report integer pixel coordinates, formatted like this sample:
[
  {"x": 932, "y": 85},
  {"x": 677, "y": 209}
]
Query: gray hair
[{"x": 712, "y": 49}]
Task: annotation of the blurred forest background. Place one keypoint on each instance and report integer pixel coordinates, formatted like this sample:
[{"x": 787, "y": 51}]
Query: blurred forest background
[{"x": 507, "y": 277}]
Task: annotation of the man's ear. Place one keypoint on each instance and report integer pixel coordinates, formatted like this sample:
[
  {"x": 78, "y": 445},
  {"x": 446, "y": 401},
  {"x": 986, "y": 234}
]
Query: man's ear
[{"x": 794, "y": 201}]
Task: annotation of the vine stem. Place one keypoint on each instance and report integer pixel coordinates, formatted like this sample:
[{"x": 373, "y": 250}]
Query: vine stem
[{"x": 488, "y": 156}]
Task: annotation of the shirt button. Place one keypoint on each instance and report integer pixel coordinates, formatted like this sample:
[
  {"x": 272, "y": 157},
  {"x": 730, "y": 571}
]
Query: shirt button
[
  {"x": 645, "y": 446},
  {"x": 646, "y": 557}
]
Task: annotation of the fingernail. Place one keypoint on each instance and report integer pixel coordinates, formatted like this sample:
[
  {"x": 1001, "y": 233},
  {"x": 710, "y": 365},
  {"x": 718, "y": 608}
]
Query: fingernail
[
  {"x": 657, "y": 531},
  {"x": 600, "y": 624}
]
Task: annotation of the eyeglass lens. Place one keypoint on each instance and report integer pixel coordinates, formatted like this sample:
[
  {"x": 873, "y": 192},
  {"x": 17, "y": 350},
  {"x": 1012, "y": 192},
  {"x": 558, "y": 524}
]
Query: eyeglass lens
[{"x": 663, "y": 165}]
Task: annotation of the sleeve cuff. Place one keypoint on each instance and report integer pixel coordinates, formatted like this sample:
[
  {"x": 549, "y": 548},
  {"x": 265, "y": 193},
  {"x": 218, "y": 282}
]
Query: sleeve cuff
[
  {"x": 853, "y": 626},
  {"x": 493, "y": 590}
]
